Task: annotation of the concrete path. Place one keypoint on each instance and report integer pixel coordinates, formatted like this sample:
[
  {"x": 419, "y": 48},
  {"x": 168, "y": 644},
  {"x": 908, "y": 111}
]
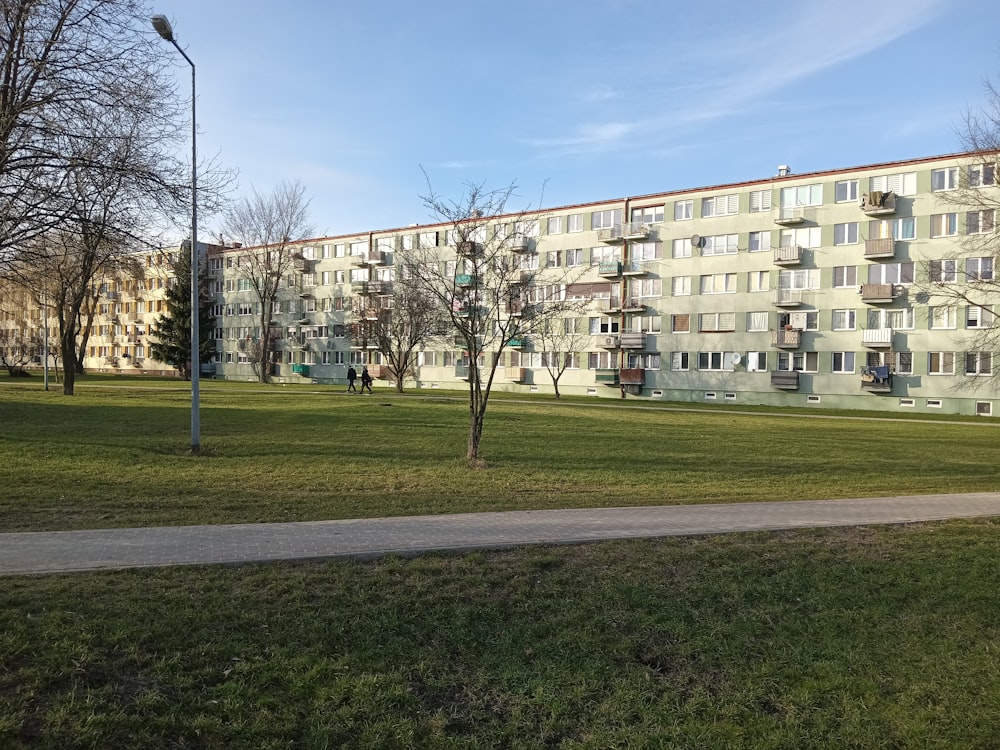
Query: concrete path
[{"x": 66, "y": 551}]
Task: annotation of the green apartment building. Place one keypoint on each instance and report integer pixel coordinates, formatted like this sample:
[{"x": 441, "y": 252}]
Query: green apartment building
[{"x": 860, "y": 288}]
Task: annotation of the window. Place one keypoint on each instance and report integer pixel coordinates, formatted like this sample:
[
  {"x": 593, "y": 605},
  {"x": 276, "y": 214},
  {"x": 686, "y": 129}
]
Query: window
[
  {"x": 979, "y": 269},
  {"x": 647, "y": 287},
  {"x": 891, "y": 273},
  {"x": 798, "y": 361},
  {"x": 602, "y": 360},
  {"x": 606, "y": 219},
  {"x": 843, "y": 362},
  {"x": 980, "y": 222},
  {"x": 574, "y": 223},
  {"x": 724, "y": 322},
  {"x": 756, "y": 361},
  {"x": 760, "y": 242},
  {"x": 716, "y": 361},
  {"x": 643, "y": 361},
  {"x": 646, "y": 324},
  {"x": 679, "y": 361},
  {"x": 648, "y": 215},
  {"x": 903, "y": 362},
  {"x": 681, "y": 286},
  {"x": 604, "y": 254},
  {"x": 428, "y": 240},
  {"x": 756, "y": 321},
  {"x": 718, "y": 283},
  {"x": 803, "y": 237},
  {"x": 720, "y": 205},
  {"x": 940, "y": 363},
  {"x": 758, "y": 281},
  {"x": 945, "y": 316},
  {"x": 978, "y": 363},
  {"x": 904, "y": 183},
  {"x": 799, "y": 278},
  {"x": 554, "y": 225},
  {"x": 845, "y": 276},
  {"x": 603, "y": 325},
  {"x": 802, "y": 195},
  {"x": 903, "y": 228},
  {"x": 683, "y": 210},
  {"x": 895, "y": 319},
  {"x": 944, "y": 225},
  {"x": 646, "y": 250},
  {"x": 843, "y": 320},
  {"x": 680, "y": 323},
  {"x": 802, "y": 320},
  {"x": 682, "y": 248},
  {"x": 720, "y": 244},
  {"x": 845, "y": 234},
  {"x": 760, "y": 200},
  {"x": 845, "y": 191},
  {"x": 982, "y": 175},
  {"x": 944, "y": 179},
  {"x": 574, "y": 257},
  {"x": 553, "y": 259},
  {"x": 943, "y": 271},
  {"x": 979, "y": 316}
]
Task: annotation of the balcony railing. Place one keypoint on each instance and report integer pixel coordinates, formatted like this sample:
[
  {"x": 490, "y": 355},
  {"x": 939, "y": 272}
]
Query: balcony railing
[
  {"x": 884, "y": 247},
  {"x": 789, "y": 255},
  {"x": 786, "y": 338},
  {"x": 518, "y": 342},
  {"x": 633, "y": 340},
  {"x": 877, "y": 338},
  {"x": 877, "y": 203},
  {"x": 634, "y": 268},
  {"x": 611, "y": 304},
  {"x": 787, "y": 380},
  {"x": 468, "y": 248},
  {"x": 300, "y": 370},
  {"x": 462, "y": 372},
  {"x": 634, "y": 230},
  {"x": 633, "y": 304},
  {"x": 610, "y": 268},
  {"x": 632, "y": 376},
  {"x": 877, "y": 293},
  {"x": 465, "y": 279},
  {"x": 788, "y": 297},
  {"x": 515, "y": 374},
  {"x": 876, "y": 379},
  {"x": 606, "y": 376},
  {"x": 520, "y": 245},
  {"x": 791, "y": 215}
]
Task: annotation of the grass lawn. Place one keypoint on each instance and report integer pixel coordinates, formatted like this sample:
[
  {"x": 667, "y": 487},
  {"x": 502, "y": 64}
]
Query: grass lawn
[
  {"x": 840, "y": 638},
  {"x": 879, "y": 637},
  {"x": 118, "y": 456}
]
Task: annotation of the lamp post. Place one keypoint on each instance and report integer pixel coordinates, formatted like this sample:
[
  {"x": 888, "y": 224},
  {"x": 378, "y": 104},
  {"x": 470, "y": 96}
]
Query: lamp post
[{"x": 163, "y": 28}]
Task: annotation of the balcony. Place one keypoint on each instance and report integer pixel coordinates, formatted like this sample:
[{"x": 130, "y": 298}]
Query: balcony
[
  {"x": 462, "y": 372},
  {"x": 880, "y": 248},
  {"x": 790, "y": 215},
  {"x": 788, "y": 256},
  {"x": 369, "y": 257},
  {"x": 468, "y": 248},
  {"x": 518, "y": 342},
  {"x": 300, "y": 370},
  {"x": 633, "y": 376},
  {"x": 608, "y": 377},
  {"x": 877, "y": 203},
  {"x": 520, "y": 245},
  {"x": 382, "y": 288},
  {"x": 875, "y": 294},
  {"x": 633, "y": 304},
  {"x": 465, "y": 279},
  {"x": 786, "y": 338},
  {"x": 307, "y": 290},
  {"x": 877, "y": 338},
  {"x": 610, "y": 342},
  {"x": 788, "y": 298},
  {"x": 610, "y": 269},
  {"x": 786, "y": 380},
  {"x": 359, "y": 287},
  {"x": 611, "y": 305},
  {"x": 876, "y": 379},
  {"x": 632, "y": 340},
  {"x": 634, "y": 268},
  {"x": 634, "y": 230},
  {"x": 515, "y": 374}
]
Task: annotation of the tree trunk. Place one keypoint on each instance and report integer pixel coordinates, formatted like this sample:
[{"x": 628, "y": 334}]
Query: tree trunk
[{"x": 67, "y": 346}]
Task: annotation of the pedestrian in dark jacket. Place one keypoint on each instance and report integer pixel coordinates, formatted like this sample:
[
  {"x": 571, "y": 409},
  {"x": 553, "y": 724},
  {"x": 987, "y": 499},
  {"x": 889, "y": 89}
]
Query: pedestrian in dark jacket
[
  {"x": 366, "y": 380},
  {"x": 352, "y": 375}
]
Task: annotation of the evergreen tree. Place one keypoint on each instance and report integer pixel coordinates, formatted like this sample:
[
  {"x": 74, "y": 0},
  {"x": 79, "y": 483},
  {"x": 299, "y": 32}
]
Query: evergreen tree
[{"x": 173, "y": 329}]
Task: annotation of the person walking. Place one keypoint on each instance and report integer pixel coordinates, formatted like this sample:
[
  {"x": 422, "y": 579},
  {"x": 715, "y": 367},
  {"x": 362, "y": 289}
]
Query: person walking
[
  {"x": 366, "y": 380},
  {"x": 352, "y": 375}
]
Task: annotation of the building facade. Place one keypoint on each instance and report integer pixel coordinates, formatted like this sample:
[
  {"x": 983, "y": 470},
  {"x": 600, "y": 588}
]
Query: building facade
[{"x": 856, "y": 288}]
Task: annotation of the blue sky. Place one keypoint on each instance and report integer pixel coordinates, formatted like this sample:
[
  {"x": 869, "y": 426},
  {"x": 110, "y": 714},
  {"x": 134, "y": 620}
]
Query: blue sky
[{"x": 573, "y": 101}]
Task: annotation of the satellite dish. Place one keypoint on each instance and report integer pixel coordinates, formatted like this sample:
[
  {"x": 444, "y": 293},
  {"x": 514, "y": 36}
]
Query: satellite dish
[
  {"x": 695, "y": 240},
  {"x": 737, "y": 358}
]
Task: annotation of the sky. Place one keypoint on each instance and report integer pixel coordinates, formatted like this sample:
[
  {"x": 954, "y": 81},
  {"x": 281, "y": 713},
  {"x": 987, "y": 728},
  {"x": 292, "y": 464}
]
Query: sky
[{"x": 574, "y": 101}]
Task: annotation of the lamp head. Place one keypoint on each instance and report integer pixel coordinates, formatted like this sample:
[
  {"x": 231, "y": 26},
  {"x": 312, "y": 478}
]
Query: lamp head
[{"x": 163, "y": 28}]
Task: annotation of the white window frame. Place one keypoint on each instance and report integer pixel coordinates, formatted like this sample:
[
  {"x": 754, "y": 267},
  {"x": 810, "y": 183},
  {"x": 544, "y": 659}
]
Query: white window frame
[{"x": 845, "y": 191}]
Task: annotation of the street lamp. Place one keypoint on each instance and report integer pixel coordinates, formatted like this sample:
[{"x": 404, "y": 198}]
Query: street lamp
[{"x": 163, "y": 28}]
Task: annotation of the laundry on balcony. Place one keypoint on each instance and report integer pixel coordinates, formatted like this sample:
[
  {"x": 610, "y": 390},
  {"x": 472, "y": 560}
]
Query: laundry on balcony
[{"x": 878, "y": 374}]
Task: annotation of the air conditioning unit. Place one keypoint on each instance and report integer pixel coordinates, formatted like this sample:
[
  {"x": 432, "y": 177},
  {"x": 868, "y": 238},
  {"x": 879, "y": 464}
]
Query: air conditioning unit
[{"x": 610, "y": 342}]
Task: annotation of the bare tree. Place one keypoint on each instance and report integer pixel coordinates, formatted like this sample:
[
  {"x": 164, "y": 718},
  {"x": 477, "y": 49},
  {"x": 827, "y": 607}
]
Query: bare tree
[
  {"x": 485, "y": 277},
  {"x": 559, "y": 343},
  {"x": 266, "y": 227},
  {"x": 964, "y": 280},
  {"x": 401, "y": 328}
]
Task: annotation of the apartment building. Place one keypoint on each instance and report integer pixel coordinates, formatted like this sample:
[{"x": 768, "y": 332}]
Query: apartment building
[{"x": 833, "y": 289}]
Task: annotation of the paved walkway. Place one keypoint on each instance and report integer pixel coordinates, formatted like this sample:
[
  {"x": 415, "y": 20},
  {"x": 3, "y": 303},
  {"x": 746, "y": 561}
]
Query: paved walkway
[{"x": 66, "y": 551}]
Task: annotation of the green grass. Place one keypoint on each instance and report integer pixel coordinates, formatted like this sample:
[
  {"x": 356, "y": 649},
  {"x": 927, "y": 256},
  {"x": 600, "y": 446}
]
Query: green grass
[
  {"x": 863, "y": 638},
  {"x": 118, "y": 456},
  {"x": 846, "y": 638}
]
